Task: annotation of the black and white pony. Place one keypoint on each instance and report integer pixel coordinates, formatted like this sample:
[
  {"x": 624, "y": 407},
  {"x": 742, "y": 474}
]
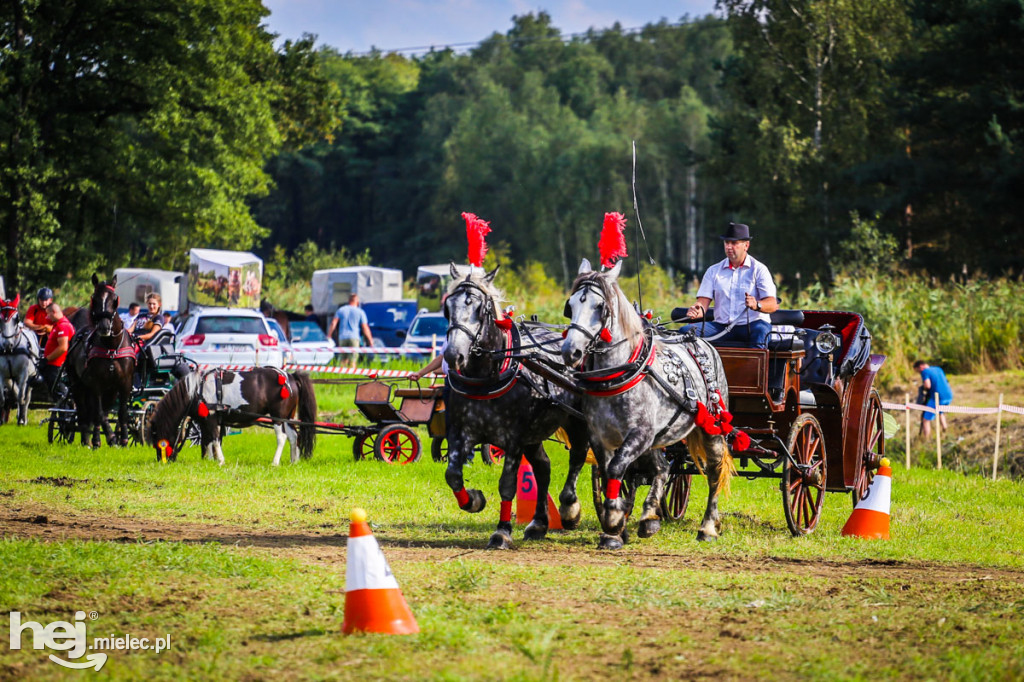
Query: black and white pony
[
  {"x": 218, "y": 398},
  {"x": 495, "y": 399},
  {"x": 642, "y": 394},
  {"x": 19, "y": 354}
]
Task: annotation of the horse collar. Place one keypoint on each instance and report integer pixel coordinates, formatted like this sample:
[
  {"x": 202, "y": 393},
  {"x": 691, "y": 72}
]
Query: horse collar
[
  {"x": 488, "y": 388},
  {"x": 613, "y": 381}
]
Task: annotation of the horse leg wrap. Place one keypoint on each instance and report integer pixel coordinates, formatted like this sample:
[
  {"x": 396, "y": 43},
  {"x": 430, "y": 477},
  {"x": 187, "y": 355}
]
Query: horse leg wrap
[
  {"x": 462, "y": 497},
  {"x": 506, "y": 511},
  {"x": 612, "y": 492}
]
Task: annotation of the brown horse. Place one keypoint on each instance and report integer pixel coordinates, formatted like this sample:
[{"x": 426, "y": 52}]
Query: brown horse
[{"x": 101, "y": 363}]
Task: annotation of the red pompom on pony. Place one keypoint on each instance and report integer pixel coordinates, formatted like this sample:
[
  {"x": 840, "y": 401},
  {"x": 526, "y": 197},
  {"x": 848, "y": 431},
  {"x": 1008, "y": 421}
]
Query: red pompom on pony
[
  {"x": 476, "y": 232},
  {"x": 612, "y": 245}
]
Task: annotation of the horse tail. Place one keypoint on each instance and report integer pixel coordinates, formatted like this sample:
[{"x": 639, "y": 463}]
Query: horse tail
[
  {"x": 307, "y": 414},
  {"x": 699, "y": 442}
]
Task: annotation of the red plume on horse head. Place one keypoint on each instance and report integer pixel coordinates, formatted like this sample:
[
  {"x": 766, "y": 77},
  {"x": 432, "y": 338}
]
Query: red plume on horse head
[
  {"x": 476, "y": 233},
  {"x": 612, "y": 245}
]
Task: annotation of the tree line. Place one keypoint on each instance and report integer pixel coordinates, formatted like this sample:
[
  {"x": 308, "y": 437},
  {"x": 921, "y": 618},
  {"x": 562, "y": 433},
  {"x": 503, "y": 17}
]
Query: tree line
[{"x": 847, "y": 133}]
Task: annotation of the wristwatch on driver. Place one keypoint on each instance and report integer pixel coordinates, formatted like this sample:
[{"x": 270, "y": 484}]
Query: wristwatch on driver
[{"x": 758, "y": 306}]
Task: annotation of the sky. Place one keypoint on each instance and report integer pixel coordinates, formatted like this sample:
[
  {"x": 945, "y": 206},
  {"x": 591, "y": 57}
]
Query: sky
[{"x": 392, "y": 25}]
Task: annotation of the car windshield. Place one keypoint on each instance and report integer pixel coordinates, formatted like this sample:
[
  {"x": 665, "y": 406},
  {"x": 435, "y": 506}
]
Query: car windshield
[
  {"x": 216, "y": 324},
  {"x": 306, "y": 332},
  {"x": 429, "y": 326}
]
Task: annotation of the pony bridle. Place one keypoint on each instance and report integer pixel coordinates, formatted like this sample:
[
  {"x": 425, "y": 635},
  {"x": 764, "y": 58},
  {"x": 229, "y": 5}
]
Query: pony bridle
[
  {"x": 9, "y": 316},
  {"x": 104, "y": 314},
  {"x": 601, "y": 335},
  {"x": 486, "y": 314}
]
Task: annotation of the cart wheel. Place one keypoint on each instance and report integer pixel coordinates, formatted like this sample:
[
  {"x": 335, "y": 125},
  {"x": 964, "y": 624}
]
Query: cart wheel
[
  {"x": 677, "y": 496},
  {"x": 61, "y": 428},
  {"x": 362, "y": 446},
  {"x": 439, "y": 449},
  {"x": 874, "y": 448},
  {"x": 397, "y": 444},
  {"x": 803, "y": 486},
  {"x": 490, "y": 454}
]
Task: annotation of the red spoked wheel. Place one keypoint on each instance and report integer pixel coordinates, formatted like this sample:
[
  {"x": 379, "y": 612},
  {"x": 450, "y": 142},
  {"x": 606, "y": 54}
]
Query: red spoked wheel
[
  {"x": 491, "y": 453},
  {"x": 803, "y": 478},
  {"x": 874, "y": 448},
  {"x": 397, "y": 444},
  {"x": 362, "y": 446},
  {"x": 677, "y": 497}
]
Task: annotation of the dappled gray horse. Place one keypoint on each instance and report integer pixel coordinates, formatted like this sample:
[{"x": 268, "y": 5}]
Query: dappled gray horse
[
  {"x": 495, "y": 399},
  {"x": 19, "y": 354},
  {"x": 642, "y": 393}
]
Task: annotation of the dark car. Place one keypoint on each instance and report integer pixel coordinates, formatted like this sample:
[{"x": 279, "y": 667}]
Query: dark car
[{"x": 387, "y": 318}]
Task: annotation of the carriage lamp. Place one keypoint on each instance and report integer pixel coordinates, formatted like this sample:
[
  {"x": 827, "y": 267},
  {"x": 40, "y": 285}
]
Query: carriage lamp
[{"x": 826, "y": 342}]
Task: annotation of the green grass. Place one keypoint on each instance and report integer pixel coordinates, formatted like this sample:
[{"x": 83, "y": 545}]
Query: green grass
[{"x": 943, "y": 599}]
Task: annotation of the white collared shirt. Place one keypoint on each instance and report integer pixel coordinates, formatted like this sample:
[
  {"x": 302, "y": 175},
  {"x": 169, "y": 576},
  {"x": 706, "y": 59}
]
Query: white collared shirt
[{"x": 727, "y": 288}]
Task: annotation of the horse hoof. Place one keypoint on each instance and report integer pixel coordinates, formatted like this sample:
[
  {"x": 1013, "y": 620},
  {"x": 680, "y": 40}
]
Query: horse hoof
[
  {"x": 570, "y": 515},
  {"x": 535, "y": 531},
  {"x": 614, "y": 521},
  {"x": 705, "y": 537},
  {"x": 648, "y": 528},
  {"x": 477, "y": 502},
  {"x": 609, "y": 542},
  {"x": 500, "y": 540}
]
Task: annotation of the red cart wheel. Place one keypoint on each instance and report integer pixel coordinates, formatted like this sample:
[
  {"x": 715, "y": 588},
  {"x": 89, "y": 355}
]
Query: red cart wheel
[
  {"x": 803, "y": 486},
  {"x": 874, "y": 448},
  {"x": 677, "y": 497},
  {"x": 397, "y": 444},
  {"x": 491, "y": 453},
  {"x": 362, "y": 446}
]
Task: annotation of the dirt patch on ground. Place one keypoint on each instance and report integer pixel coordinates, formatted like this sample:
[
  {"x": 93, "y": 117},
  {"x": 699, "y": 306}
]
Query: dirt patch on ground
[{"x": 328, "y": 548}]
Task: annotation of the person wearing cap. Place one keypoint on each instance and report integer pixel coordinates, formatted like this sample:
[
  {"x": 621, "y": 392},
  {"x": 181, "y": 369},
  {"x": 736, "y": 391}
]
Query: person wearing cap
[
  {"x": 36, "y": 318},
  {"x": 742, "y": 290}
]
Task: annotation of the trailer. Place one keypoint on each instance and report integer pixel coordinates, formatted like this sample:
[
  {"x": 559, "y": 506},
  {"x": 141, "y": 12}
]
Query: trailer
[
  {"x": 332, "y": 287},
  {"x": 135, "y": 284},
  {"x": 432, "y": 282},
  {"x": 223, "y": 278}
]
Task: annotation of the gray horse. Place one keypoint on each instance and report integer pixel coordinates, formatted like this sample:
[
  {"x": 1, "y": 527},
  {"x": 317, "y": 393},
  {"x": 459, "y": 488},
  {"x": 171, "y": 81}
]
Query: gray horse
[
  {"x": 19, "y": 354},
  {"x": 641, "y": 394},
  {"x": 495, "y": 399}
]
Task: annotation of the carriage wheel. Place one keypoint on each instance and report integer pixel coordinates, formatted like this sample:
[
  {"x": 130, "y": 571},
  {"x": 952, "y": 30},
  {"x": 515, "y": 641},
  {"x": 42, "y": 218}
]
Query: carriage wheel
[
  {"x": 491, "y": 453},
  {"x": 362, "y": 446},
  {"x": 677, "y": 496},
  {"x": 62, "y": 424},
  {"x": 803, "y": 488},
  {"x": 146, "y": 421},
  {"x": 439, "y": 449},
  {"x": 397, "y": 444},
  {"x": 874, "y": 448}
]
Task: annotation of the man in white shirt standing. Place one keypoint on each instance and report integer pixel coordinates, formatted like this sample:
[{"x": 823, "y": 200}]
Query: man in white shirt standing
[{"x": 743, "y": 293}]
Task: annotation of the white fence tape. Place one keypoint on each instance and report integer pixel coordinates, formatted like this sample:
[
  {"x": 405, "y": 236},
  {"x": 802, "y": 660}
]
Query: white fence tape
[
  {"x": 953, "y": 409},
  {"x": 323, "y": 369}
]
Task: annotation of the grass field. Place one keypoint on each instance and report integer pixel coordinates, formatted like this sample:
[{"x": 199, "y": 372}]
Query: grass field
[{"x": 243, "y": 567}]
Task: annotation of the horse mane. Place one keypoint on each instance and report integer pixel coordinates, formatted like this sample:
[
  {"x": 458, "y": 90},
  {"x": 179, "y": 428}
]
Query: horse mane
[
  {"x": 621, "y": 309},
  {"x": 495, "y": 294},
  {"x": 171, "y": 409}
]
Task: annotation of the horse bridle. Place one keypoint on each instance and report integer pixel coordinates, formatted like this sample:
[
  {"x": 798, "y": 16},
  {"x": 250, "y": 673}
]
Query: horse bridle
[
  {"x": 104, "y": 314},
  {"x": 487, "y": 314},
  {"x": 593, "y": 339}
]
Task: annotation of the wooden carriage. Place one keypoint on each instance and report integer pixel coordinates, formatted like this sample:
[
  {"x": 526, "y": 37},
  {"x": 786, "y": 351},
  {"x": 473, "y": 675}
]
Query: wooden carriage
[{"x": 808, "y": 403}]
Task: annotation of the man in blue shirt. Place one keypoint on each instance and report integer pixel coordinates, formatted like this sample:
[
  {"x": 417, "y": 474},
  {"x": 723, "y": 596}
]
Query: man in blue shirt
[
  {"x": 933, "y": 383},
  {"x": 743, "y": 291},
  {"x": 349, "y": 320}
]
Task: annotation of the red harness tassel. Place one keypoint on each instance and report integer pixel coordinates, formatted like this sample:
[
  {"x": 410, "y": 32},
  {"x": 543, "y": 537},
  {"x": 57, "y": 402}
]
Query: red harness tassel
[{"x": 203, "y": 410}]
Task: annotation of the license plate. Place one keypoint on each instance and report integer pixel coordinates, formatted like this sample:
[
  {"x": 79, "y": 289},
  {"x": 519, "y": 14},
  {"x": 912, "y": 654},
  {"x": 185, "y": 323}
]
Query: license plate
[{"x": 237, "y": 347}]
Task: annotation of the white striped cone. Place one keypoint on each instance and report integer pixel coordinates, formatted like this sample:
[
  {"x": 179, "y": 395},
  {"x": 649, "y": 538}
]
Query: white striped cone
[
  {"x": 870, "y": 518},
  {"x": 373, "y": 602}
]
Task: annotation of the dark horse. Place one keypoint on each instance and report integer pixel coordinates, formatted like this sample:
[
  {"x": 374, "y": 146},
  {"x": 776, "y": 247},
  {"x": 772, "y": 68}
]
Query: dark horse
[
  {"x": 101, "y": 362},
  {"x": 218, "y": 398},
  {"x": 494, "y": 399}
]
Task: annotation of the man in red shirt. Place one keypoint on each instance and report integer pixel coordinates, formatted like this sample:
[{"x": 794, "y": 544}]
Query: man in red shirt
[
  {"x": 56, "y": 350},
  {"x": 36, "y": 317}
]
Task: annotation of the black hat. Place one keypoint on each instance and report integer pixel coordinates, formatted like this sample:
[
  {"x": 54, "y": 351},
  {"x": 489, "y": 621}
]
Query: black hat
[{"x": 736, "y": 232}]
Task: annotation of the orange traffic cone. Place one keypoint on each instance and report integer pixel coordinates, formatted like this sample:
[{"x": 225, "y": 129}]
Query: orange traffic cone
[
  {"x": 870, "y": 518},
  {"x": 526, "y": 499},
  {"x": 373, "y": 602}
]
